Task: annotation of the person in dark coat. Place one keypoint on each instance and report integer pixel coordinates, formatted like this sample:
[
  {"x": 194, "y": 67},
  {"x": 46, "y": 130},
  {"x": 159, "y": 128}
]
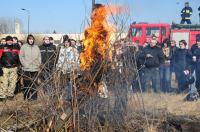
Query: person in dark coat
[
  {"x": 48, "y": 53},
  {"x": 196, "y": 59},
  {"x": 153, "y": 57},
  {"x": 9, "y": 59},
  {"x": 182, "y": 65}
]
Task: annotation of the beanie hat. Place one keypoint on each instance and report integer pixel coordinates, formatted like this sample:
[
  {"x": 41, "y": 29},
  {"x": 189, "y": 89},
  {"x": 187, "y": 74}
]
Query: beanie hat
[
  {"x": 187, "y": 3},
  {"x": 9, "y": 38}
]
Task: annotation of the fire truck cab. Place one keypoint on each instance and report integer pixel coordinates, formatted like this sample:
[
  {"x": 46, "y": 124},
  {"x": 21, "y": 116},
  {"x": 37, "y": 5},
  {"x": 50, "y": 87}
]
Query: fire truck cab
[{"x": 142, "y": 32}]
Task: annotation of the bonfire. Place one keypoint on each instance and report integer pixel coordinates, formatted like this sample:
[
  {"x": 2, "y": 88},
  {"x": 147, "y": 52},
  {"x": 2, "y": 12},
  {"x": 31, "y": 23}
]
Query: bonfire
[
  {"x": 97, "y": 50},
  {"x": 97, "y": 45}
]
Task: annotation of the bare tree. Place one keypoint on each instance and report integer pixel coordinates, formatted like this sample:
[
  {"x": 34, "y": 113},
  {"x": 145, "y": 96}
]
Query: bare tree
[{"x": 7, "y": 24}]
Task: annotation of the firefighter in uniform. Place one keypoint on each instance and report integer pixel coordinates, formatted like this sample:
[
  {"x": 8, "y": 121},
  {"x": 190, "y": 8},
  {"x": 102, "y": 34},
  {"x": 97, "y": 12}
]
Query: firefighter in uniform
[{"x": 186, "y": 12}]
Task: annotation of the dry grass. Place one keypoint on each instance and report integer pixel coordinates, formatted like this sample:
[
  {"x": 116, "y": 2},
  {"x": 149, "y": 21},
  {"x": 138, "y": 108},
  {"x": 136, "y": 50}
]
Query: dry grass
[
  {"x": 157, "y": 105},
  {"x": 157, "y": 109},
  {"x": 171, "y": 103}
]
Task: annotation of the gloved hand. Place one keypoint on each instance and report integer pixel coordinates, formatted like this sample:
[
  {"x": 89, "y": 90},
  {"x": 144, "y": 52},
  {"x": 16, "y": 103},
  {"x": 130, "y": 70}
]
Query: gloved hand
[
  {"x": 149, "y": 55},
  {"x": 1, "y": 72},
  {"x": 186, "y": 72}
]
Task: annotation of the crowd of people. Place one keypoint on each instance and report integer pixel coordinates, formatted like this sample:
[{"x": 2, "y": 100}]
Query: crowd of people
[
  {"x": 157, "y": 63},
  {"x": 34, "y": 63},
  {"x": 166, "y": 67}
]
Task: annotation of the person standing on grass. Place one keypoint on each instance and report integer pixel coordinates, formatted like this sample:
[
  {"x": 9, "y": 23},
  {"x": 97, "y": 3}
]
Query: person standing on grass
[
  {"x": 196, "y": 60},
  {"x": 48, "y": 54},
  {"x": 165, "y": 68},
  {"x": 30, "y": 58},
  {"x": 9, "y": 60},
  {"x": 182, "y": 65},
  {"x": 153, "y": 57}
]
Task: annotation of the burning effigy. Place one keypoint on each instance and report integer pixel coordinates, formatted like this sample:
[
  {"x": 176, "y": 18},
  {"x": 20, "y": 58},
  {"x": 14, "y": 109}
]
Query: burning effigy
[
  {"x": 97, "y": 48},
  {"x": 97, "y": 39}
]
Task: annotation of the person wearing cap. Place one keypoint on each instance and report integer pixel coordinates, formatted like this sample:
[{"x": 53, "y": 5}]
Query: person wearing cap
[
  {"x": 182, "y": 65},
  {"x": 30, "y": 58},
  {"x": 9, "y": 60},
  {"x": 186, "y": 13}
]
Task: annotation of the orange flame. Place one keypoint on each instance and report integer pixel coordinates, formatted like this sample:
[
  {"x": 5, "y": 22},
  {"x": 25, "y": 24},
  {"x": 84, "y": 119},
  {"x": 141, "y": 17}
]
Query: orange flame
[{"x": 97, "y": 39}]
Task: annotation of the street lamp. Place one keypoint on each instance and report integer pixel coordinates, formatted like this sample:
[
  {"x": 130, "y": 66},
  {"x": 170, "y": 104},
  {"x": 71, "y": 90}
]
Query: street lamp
[
  {"x": 93, "y": 3},
  {"x": 28, "y": 13}
]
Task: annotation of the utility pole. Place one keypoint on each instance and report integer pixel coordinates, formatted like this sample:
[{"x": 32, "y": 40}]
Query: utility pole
[
  {"x": 93, "y": 3},
  {"x": 28, "y": 13}
]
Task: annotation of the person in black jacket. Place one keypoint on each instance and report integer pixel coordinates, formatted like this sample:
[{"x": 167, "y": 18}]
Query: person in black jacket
[
  {"x": 9, "y": 61},
  {"x": 196, "y": 59},
  {"x": 48, "y": 53},
  {"x": 153, "y": 57},
  {"x": 182, "y": 65},
  {"x": 186, "y": 13}
]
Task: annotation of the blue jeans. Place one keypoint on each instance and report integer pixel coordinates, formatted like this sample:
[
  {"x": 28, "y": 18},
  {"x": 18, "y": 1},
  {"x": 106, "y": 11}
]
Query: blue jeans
[
  {"x": 193, "y": 88},
  {"x": 165, "y": 77}
]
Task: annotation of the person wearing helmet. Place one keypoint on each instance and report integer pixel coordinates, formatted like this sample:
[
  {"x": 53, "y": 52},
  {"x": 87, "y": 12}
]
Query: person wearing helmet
[{"x": 186, "y": 13}]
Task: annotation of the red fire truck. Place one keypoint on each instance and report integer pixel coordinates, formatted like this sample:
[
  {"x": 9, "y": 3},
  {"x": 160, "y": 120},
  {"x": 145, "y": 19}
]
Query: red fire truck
[{"x": 142, "y": 32}]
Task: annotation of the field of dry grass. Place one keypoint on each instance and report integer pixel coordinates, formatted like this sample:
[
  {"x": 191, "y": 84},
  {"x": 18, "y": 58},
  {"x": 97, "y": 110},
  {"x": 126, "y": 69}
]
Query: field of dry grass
[
  {"x": 153, "y": 112},
  {"x": 147, "y": 111},
  {"x": 172, "y": 103}
]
